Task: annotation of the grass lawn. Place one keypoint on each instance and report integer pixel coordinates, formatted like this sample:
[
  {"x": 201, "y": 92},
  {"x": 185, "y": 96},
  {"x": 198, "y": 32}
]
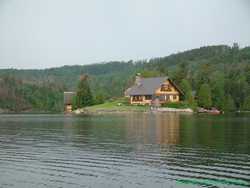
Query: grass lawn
[
  {"x": 122, "y": 105},
  {"x": 116, "y": 106}
]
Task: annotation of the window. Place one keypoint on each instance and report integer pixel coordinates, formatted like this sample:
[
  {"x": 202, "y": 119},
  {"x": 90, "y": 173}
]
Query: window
[
  {"x": 162, "y": 98},
  {"x": 174, "y": 97},
  {"x": 165, "y": 87},
  {"x": 137, "y": 98},
  {"x": 167, "y": 98},
  {"x": 148, "y": 97}
]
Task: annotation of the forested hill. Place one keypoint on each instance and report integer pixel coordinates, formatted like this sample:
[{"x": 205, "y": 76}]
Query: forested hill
[{"x": 225, "y": 69}]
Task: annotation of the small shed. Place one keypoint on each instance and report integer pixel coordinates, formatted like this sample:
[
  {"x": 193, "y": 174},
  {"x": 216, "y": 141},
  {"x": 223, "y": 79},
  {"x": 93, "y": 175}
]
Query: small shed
[{"x": 68, "y": 100}]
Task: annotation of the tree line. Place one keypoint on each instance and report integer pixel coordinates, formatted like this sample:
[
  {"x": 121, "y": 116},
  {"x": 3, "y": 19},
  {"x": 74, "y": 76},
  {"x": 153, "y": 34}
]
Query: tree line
[
  {"x": 212, "y": 76},
  {"x": 16, "y": 96}
]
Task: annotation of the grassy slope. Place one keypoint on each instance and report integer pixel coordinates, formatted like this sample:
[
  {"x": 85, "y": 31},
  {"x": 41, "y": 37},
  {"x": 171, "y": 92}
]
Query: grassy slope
[
  {"x": 114, "y": 106},
  {"x": 121, "y": 105}
]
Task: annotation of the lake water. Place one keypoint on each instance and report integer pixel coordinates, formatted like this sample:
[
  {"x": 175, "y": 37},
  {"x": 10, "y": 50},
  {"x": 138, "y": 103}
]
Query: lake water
[{"x": 134, "y": 150}]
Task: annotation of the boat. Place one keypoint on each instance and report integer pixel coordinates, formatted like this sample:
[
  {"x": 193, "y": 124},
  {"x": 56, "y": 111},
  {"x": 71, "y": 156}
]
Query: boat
[{"x": 213, "y": 111}]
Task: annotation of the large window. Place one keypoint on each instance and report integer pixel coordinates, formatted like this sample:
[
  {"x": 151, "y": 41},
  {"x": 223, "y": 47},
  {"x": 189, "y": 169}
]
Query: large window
[
  {"x": 137, "y": 98},
  {"x": 165, "y": 87}
]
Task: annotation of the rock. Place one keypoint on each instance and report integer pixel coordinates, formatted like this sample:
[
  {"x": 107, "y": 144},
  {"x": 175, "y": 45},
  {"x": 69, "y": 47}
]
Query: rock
[
  {"x": 78, "y": 111},
  {"x": 186, "y": 110},
  {"x": 3, "y": 111}
]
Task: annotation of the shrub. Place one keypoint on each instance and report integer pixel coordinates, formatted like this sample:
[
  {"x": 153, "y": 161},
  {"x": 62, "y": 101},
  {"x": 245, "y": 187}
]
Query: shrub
[{"x": 176, "y": 105}]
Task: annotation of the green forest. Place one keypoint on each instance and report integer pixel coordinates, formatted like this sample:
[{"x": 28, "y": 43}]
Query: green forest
[{"x": 211, "y": 76}]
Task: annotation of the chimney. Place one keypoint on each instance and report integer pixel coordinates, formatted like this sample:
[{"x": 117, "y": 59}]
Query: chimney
[{"x": 138, "y": 79}]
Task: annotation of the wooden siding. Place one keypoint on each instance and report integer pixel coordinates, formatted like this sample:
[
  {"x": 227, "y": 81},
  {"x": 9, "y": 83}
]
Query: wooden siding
[
  {"x": 170, "y": 95},
  {"x": 141, "y": 102},
  {"x": 173, "y": 94}
]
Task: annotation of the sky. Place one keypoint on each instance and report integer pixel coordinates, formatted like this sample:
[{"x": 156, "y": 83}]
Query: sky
[{"x": 37, "y": 34}]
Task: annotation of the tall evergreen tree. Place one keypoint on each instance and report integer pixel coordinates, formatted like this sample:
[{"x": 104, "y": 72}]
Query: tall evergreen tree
[
  {"x": 246, "y": 105},
  {"x": 83, "y": 96},
  {"x": 229, "y": 104},
  {"x": 187, "y": 89},
  {"x": 204, "y": 96},
  {"x": 181, "y": 72},
  {"x": 218, "y": 90}
]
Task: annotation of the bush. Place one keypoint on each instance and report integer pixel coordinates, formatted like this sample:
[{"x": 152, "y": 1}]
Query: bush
[{"x": 177, "y": 105}]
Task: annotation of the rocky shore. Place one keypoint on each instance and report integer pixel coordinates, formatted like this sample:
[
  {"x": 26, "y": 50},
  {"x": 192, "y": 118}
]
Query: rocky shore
[
  {"x": 184, "y": 110},
  {"x": 86, "y": 111},
  {"x": 3, "y": 111}
]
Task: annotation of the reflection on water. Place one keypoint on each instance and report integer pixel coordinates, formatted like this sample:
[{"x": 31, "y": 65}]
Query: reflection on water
[
  {"x": 156, "y": 129},
  {"x": 134, "y": 150}
]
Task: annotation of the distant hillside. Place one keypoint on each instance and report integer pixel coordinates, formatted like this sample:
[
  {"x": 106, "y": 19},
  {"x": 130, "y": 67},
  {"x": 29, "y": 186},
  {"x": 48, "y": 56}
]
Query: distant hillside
[
  {"x": 210, "y": 64},
  {"x": 102, "y": 75}
]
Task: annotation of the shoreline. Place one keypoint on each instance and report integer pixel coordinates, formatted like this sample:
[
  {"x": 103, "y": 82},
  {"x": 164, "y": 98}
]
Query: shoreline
[
  {"x": 103, "y": 111},
  {"x": 86, "y": 111}
]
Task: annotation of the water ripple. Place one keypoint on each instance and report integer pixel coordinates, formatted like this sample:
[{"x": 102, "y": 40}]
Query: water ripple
[{"x": 54, "y": 152}]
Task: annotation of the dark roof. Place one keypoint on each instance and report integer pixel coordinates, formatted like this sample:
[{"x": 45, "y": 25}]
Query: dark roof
[
  {"x": 176, "y": 87},
  {"x": 147, "y": 86},
  {"x": 68, "y": 97}
]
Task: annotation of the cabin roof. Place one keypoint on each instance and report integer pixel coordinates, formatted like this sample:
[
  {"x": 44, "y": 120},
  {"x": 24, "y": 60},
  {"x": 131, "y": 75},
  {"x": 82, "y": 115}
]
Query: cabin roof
[
  {"x": 68, "y": 97},
  {"x": 148, "y": 86}
]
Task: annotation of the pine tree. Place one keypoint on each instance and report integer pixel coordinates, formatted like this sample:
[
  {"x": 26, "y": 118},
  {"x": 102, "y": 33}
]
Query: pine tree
[
  {"x": 218, "y": 92},
  {"x": 181, "y": 72},
  {"x": 204, "y": 96},
  {"x": 187, "y": 90},
  {"x": 83, "y": 96},
  {"x": 229, "y": 104},
  {"x": 246, "y": 105}
]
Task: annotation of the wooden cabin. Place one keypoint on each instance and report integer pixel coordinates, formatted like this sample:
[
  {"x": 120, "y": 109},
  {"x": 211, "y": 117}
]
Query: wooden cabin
[
  {"x": 148, "y": 90},
  {"x": 68, "y": 101}
]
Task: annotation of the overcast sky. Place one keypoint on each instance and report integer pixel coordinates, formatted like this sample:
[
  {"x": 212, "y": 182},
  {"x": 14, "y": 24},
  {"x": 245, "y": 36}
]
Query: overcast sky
[{"x": 52, "y": 33}]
